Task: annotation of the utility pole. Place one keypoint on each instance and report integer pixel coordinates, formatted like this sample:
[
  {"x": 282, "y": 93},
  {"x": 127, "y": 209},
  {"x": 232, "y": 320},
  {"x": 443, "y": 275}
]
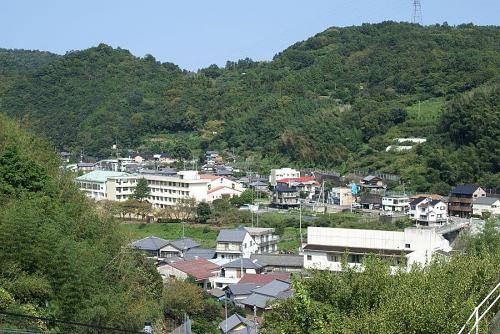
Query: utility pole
[
  {"x": 300, "y": 225},
  {"x": 417, "y": 12}
]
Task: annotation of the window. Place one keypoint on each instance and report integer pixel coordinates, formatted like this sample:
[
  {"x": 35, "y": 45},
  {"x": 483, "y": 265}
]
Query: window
[
  {"x": 309, "y": 257},
  {"x": 333, "y": 258},
  {"x": 407, "y": 246}
]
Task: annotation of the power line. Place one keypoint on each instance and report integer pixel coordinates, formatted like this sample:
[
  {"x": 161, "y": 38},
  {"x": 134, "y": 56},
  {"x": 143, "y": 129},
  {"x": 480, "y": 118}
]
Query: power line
[
  {"x": 417, "y": 12},
  {"x": 73, "y": 323}
]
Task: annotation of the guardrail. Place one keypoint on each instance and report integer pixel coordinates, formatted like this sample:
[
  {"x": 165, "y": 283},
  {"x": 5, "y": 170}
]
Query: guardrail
[{"x": 477, "y": 316}]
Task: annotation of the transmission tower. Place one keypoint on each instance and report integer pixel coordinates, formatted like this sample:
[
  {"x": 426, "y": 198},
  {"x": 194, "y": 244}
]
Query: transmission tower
[{"x": 417, "y": 12}]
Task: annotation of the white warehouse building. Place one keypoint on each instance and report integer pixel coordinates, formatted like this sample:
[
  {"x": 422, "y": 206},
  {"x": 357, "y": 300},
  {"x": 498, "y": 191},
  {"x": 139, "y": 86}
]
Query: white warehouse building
[{"x": 326, "y": 246}]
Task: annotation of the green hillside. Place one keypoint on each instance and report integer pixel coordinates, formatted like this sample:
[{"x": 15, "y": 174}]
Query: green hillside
[{"x": 336, "y": 100}]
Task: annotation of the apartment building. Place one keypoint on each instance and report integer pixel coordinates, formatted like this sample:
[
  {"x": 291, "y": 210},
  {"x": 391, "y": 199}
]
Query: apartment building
[{"x": 326, "y": 247}]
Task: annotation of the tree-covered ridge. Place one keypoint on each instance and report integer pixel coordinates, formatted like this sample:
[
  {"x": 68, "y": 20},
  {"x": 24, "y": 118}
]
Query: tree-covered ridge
[
  {"x": 334, "y": 100},
  {"x": 59, "y": 257}
]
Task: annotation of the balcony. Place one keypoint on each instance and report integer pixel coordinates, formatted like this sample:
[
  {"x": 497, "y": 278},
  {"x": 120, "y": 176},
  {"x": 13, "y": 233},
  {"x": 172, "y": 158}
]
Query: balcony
[
  {"x": 271, "y": 241},
  {"x": 462, "y": 208},
  {"x": 455, "y": 199}
]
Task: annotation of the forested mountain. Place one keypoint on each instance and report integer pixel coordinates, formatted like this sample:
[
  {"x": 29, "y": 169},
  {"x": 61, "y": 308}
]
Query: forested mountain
[
  {"x": 335, "y": 100},
  {"x": 59, "y": 258}
]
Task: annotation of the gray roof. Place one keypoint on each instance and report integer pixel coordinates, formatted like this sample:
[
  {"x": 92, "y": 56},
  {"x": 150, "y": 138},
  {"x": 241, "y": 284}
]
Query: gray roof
[
  {"x": 258, "y": 300},
  {"x": 150, "y": 243},
  {"x": 464, "y": 189},
  {"x": 245, "y": 263},
  {"x": 239, "y": 289},
  {"x": 234, "y": 235},
  {"x": 273, "y": 289},
  {"x": 280, "y": 260},
  {"x": 184, "y": 244},
  {"x": 203, "y": 253},
  {"x": 485, "y": 200},
  {"x": 234, "y": 321}
]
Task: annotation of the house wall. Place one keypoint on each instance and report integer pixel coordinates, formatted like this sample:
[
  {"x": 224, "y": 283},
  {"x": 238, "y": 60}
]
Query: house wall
[
  {"x": 396, "y": 203},
  {"x": 167, "y": 271},
  {"x": 494, "y": 209},
  {"x": 282, "y": 173},
  {"x": 93, "y": 189},
  {"x": 236, "y": 250},
  {"x": 223, "y": 193},
  {"x": 433, "y": 214},
  {"x": 344, "y": 195}
]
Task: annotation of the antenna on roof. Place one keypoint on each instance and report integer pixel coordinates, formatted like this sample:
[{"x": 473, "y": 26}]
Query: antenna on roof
[{"x": 417, "y": 12}]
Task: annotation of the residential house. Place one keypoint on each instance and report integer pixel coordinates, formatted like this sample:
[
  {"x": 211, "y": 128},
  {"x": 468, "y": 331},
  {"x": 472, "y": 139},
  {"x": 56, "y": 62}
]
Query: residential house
[
  {"x": 370, "y": 201},
  {"x": 264, "y": 297},
  {"x": 85, "y": 167},
  {"x": 212, "y": 156},
  {"x": 239, "y": 291},
  {"x": 259, "y": 187},
  {"x": 177, "y": 248},
  {"x": 397, "y": 203},
  {"x": 427, "y": 211},
  {"x": 266, "y": 241},
  {"x": 284, "y": 196},
  {"x": 201, "y": 271},
  {"x": 65, "y": 156},
  {"x": 282, "y": 173},
  {"x": 341, "y": 196},
  {"x": 164, "y": 158},
  {"x": 237, "y": 324},
  {"x": 233, "y": 271},
  {"x": 94, "y": 185},
  {"x": 373, "y": 184},
  {"x": 280, "y": 262},
  {"x": 326, "y": 247},
  {"x": 305, "y": 185},
  {"x": 221, "y": 187},
  {"x": 235, "y": 243},
  {"x": 150, "y": 245},
  {"x": 484, "y": 205},
  {"x": 461, "y": 199}
]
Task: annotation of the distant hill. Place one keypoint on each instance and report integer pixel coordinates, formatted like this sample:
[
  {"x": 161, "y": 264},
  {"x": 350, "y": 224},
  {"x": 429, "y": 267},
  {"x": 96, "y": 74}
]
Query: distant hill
[{"x": 335, "y": 100}]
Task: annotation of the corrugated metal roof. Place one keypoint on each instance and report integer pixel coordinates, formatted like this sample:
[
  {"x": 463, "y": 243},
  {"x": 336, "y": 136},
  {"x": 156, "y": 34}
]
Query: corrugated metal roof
[{"x": 273, "y": 289}]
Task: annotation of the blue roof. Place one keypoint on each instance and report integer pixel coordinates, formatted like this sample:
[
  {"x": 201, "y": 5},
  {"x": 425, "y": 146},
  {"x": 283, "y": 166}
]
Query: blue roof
[{"x": 100, "y": 176}]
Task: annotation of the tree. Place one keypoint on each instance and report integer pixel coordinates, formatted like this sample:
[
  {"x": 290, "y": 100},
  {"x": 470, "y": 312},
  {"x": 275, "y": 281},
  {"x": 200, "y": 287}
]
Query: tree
[
  {"x": 181, "y": 297},
  {"x": 246, "y": 197},
  {"x": 203, "y": 212},
  {"x": 181, "y": 151},
  {"x": 141, "y": 189}
]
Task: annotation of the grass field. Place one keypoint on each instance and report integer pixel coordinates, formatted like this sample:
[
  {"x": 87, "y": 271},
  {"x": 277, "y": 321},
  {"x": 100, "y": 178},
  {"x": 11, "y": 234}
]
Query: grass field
[
  {"x": 203, "y": 234},
  {"x": 429, "y": 109}
]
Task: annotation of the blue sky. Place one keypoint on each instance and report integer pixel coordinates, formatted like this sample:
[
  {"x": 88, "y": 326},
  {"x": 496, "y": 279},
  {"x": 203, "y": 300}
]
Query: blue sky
[{"x": 197, "y": 33}]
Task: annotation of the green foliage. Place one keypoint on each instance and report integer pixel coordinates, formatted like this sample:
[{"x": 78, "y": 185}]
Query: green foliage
[
  {"x": 59, "y": 256},
  {"x": 203, "y": 212},
  {"x": 141, "y": 191},
  {"x": 336, "y": 100},
  {"x": 247, "y": 197},
  {"x": 435, "y": 299}
]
